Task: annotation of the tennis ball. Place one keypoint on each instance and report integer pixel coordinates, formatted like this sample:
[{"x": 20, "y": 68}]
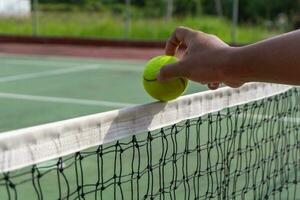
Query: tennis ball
[{"x": 165, "y": 91}]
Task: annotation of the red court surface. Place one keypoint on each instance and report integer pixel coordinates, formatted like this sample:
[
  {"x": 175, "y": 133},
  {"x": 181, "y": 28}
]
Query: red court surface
[{"x": 140, "y": 53}]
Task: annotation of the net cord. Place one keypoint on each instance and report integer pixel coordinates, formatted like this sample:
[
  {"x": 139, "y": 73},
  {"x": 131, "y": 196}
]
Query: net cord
[{"x": 28, "y": 146}]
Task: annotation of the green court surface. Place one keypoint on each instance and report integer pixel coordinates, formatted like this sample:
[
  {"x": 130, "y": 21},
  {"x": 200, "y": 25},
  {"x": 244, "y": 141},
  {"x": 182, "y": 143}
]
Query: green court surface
[
  {"x": 36, "y": 89},
  {"x": 246, "y": 152}
]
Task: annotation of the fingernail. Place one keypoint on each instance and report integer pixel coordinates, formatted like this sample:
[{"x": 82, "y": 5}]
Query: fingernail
[{"x": 213, "y": 86}]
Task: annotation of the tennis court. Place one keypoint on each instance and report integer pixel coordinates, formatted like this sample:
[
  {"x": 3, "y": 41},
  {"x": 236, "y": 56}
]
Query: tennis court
[
  {"x": 201, "y": 146},
  {"x": 39, "y": 89},
  {"x": 36, "y": 90}
]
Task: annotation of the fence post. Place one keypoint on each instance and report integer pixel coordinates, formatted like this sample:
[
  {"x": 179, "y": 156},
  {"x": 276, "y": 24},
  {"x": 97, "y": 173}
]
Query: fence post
[
  {"x": 219, "y": 8},
  {"x": 169, "y": 12},
  {"x": 127, "y": 18},
  {"x": 35, "y": 18},
  {"x": 235, "y": 16}
]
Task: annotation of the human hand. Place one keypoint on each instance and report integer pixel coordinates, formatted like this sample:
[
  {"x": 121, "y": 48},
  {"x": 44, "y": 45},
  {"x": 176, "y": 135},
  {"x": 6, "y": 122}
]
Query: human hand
[{"x": 204, "y": 59}]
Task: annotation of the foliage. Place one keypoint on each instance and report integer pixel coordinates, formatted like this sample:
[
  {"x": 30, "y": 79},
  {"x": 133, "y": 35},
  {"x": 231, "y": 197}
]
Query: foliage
[
  {"x": 147, "y": 18},
  {"x": 111, "y": 25},
  {"x": 250, "y": 10},
  {"x": 254, "y": 10}
]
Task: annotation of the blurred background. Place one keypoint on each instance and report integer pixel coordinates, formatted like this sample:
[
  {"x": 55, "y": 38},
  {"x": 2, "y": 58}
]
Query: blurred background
[{"x": 235, "y": 21}]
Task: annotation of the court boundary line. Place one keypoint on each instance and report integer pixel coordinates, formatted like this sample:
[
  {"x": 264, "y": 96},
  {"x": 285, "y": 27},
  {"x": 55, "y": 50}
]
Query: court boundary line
[
  {"x": 38, "y": 63},
  {"x": 268, "y": 117},
  {"x": 65, "y": 71},
  {"x": 62, "y": 63},
  {"x": 71, "y": 59},
  {"x": 46, "y": 73},
  {"x": 51, "y": 99}
]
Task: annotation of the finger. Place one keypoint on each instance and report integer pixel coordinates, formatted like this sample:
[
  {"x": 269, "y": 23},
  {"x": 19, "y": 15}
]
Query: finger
[
  {"x": 181, "y": 35},
  {"x": 172, "y": 46},
  {"x": 170, "y": 71},
  {"x": 213, "y": 86}
]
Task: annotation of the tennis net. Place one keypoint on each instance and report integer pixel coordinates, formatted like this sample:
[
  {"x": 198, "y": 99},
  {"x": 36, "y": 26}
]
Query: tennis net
[{"x": 227, "y": 144}]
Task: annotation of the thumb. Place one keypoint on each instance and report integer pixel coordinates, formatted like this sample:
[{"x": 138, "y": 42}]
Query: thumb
[{"x": 172, "y": 71}]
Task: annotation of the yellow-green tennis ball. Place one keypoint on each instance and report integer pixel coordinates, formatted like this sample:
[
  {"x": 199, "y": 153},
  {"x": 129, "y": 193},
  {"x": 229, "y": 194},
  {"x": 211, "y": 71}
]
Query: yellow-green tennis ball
[{"x": 165, "y": 91}]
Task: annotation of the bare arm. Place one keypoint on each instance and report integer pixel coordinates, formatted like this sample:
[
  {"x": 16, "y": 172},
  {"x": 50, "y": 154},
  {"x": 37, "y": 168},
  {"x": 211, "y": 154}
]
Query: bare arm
[
  {"x": 209, "y": 60},
  {"x": 274, "y": 60}
]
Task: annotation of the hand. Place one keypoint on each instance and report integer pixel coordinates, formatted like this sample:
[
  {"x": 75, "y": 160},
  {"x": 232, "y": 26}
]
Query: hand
[{"x": 203, "y": 61}]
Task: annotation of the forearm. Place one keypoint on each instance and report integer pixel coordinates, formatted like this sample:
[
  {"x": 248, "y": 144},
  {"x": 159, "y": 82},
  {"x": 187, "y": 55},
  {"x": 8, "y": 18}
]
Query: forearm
[{"x": 273, "y": 60}]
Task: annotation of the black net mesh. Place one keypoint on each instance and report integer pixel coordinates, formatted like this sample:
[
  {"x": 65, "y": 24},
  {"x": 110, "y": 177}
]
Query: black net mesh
[{"x": 250, "y": 151}]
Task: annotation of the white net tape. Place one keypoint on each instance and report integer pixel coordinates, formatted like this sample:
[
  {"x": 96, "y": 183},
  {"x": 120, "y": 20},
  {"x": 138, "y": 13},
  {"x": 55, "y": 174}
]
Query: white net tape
[{"x": 29, "y": 146}]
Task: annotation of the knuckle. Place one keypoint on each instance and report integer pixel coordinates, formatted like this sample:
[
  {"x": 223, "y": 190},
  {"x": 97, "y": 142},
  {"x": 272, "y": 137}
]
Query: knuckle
[
  {"x": 171, "y": 42},
  {"x": 194, "y": 34},
  {"x": 213, "y": 37},
  {"x": 183, "y": 29},
  {"x": 178, "y": 28}
]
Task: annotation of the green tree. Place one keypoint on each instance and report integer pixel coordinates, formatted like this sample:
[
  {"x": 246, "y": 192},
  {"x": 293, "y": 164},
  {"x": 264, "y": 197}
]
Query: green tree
[
  {"x": 188, "y": 7},
  {"x": 255, "y": 10}
]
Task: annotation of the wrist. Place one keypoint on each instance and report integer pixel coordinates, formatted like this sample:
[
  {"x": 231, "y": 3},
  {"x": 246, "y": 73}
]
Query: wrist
[{"x": 234, "y": 67}]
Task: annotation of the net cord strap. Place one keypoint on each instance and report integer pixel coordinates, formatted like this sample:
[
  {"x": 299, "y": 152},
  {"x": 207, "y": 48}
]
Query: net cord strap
[{"x": 33, "y": 145}]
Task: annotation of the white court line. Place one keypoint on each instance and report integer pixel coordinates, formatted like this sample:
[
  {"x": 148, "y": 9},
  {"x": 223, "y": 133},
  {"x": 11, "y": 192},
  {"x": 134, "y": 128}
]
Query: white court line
[
  {"x": 51, "y": 164},
  {"x": 66, "y": 71},
  {"x": 285, "y": 119},
  {"x": 260, "y": 117},
  {"x": 63, "y": 100},
  {"x": 47, "y": 73},
  {"x": 54, "y": 63},
  {"x": 37, "y": 63},
  {"x": 70, "y": 59}
]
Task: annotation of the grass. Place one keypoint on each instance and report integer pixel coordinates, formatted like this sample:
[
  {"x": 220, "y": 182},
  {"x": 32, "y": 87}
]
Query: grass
[{"x": 107, "y": 25}]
